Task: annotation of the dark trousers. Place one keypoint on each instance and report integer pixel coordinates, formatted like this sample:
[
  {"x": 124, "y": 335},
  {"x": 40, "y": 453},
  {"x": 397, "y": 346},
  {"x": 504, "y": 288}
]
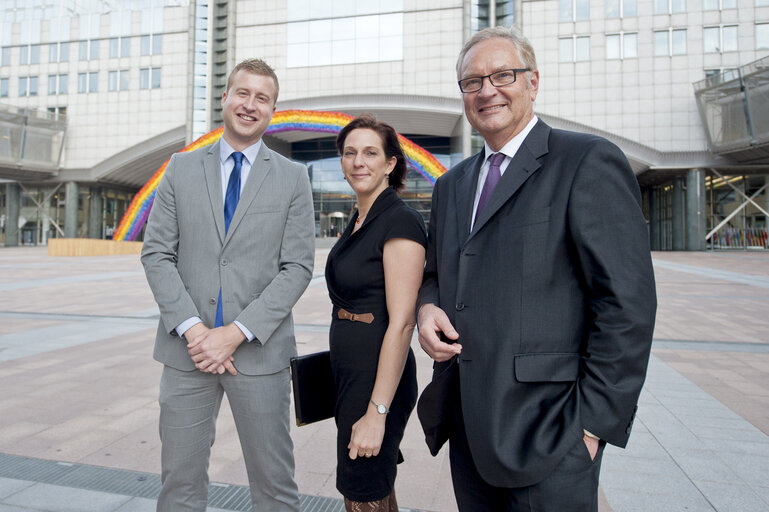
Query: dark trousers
[{"x": 571, "y": 487}]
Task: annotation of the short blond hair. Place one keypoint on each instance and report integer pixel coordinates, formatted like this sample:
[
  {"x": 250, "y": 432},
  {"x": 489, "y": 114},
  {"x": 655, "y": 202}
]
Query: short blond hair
[{"x": 257, "y": 67}]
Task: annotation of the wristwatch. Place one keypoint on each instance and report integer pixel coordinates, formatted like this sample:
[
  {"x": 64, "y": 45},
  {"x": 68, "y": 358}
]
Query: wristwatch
[{"x": 380, "y": 408}]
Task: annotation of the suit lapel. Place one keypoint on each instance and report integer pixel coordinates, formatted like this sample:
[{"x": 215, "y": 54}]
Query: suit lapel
[
  {"x": 523, "y": 165},
  {"x": 213, "y": 172},
  {"x": 465, "y": 195},
  {"x": 259, "y": 171}
]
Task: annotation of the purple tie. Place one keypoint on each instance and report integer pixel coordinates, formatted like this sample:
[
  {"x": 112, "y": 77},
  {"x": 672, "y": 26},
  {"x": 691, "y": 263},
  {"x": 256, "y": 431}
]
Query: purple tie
[{"x": 492, "y": 178}]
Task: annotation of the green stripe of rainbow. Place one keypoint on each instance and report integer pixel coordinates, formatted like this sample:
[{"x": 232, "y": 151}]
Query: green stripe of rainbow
[{"x": 286, "y": 120}]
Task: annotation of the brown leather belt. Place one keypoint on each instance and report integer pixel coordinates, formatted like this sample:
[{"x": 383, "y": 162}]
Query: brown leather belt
[{"x": 366, "y": 318}]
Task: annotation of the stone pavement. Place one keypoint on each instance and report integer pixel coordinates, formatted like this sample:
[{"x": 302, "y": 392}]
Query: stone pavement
[{"x": 78, "y": 409}]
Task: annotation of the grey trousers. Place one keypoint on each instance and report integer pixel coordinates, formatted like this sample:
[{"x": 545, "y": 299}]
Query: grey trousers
[{"x": 189, "y": 405}]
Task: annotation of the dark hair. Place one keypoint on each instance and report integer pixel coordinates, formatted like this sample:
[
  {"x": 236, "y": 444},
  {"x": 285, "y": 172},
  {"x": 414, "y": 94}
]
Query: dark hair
[
  {"x": 390, "y": 144},
  {"x": 257, "y": 67}
]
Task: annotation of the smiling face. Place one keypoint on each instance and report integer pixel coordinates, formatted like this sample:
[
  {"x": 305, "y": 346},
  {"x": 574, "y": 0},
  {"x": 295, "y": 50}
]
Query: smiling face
[
  {"x": 498, "y": 113},
  {"x": 364, "y": 163},
  {"x": 247, "y": 108}
]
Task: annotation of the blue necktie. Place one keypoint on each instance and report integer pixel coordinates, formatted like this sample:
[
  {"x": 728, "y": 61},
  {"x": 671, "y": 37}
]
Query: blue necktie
[
  {"x": 492, "y": 178},
  {"x": 230, "y": 203}
]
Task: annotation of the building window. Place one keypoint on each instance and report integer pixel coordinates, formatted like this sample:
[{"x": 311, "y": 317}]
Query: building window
[
  {"x": 57, "y": 84},
  {"x": 28, "y": 86},
  {"x": 350, "y": 40},
  {"x": 574, "y": 49},
  {"x": 669, "y": 6},
  {"x": 5, "y": 56},
  {"x": 29, "y": 54},
  {"x": 58, "y": 52},
  {"x": 720, "y": 39},
  {"x": 573, "y": 10},
  {"x": 118, "y": 80},
  {"x": 762, "y": 36},
  {"x": 88, "y": 50},
  {"x": 124, "y": 80},
  {"x": 621, "y": 8},
  {"x": 718, "y": 5},
  {"x": 622, "y": 46},
  {"x": 762, "y": 3},
  {"x": 57, "y": 112},
  {"x": 670, "y": 42},
  {"x": 87, "y": 82},
  {"x": 119, "y": 47},
  {"x": 149, "y": 78},
  {"x": 3, "y": 87},
  {"x": 152, "y": 44}
]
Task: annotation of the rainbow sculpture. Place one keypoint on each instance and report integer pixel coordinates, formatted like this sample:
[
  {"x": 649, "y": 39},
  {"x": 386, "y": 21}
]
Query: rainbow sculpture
[{"x": 285, "y": 120}]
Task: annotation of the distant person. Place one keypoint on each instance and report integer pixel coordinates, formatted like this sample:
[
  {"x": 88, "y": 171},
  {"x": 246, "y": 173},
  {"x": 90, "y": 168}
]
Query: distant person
[
  {"x": 538, "y": 299},
  {"x": 228, "y": 251},
  {"x": 373, "y": 275}
]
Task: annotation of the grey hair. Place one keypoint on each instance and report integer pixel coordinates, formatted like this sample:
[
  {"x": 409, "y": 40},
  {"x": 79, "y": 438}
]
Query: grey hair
[{"x": 512, "y": 34}]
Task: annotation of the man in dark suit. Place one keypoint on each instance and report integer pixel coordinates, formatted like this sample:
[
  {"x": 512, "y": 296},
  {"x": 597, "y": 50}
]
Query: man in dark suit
[
  {"x": 538, "y": 296},
  {"x": 228, "y": 251}
]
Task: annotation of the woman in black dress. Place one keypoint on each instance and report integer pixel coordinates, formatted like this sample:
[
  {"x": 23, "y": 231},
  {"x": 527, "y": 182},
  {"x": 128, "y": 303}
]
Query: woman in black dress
[{"x": 373, "y": 275}]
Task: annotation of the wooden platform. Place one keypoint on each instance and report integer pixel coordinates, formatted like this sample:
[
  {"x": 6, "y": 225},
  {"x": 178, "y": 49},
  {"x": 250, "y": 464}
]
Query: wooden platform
[{"x": 90, "y": 247}]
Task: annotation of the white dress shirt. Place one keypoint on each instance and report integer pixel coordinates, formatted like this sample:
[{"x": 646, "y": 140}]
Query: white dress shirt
[{"x": 509, "y": 150}]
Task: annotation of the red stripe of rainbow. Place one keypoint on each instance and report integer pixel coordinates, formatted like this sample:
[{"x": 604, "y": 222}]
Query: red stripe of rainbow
[{"x": 285, "y": 120}]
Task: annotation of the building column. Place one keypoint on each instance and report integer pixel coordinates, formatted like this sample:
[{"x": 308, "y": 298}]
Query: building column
[
  {"x": 12, "y": 209},
  {"x": 679, "y": 218},
  {"x": 70, "y": 210},
  {"x": 95, "y": 209},
  {"x": 695, "y": 210},
  {"x": 654, "y": 220}
]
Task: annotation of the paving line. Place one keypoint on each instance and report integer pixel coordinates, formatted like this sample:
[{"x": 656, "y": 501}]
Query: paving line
[
  {"x": 716, "y": 346},
  {"x": 724, "y": 275},
  {"x": 38, "y": 283}
]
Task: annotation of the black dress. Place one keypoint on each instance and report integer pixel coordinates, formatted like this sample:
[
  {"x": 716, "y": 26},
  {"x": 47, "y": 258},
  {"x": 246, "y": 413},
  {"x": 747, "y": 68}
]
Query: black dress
[{"x": 356, "y": 283}]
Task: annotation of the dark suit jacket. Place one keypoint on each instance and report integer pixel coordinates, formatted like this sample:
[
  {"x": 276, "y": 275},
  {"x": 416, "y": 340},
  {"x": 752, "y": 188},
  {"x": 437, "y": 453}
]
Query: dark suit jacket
[{"x": 553, "y": 296}]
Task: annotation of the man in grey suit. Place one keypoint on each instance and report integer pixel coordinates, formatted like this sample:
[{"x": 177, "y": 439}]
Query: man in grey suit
[
  {"x": 538, "y": 299},
  {"x": 228, "y": 251}
]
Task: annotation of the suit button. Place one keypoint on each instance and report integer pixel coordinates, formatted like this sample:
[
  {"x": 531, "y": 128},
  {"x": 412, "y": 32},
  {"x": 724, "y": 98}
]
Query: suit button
[
  {"x": 224, "y": 263},
  {"x": 212, "y": 301},
  {"x": 460, "y": 306}
]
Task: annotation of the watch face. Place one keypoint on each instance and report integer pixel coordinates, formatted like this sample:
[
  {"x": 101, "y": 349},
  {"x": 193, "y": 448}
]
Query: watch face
[{"x": 381, "y": 409}]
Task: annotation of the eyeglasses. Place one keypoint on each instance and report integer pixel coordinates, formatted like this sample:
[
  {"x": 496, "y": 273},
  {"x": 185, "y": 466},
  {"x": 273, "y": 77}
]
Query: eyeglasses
[{"x": 497, "y": 79}]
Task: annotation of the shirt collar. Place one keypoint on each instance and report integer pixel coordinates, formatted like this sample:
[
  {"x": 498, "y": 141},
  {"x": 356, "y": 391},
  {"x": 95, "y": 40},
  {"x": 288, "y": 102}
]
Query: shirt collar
[
  {"x": 512, "y": 146},
  {"x": 225, "y": 150}
]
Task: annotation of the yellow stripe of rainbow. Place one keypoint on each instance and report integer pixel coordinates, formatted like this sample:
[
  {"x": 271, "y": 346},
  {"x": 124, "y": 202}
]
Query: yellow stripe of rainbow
[{"x": 285, "y": 120}]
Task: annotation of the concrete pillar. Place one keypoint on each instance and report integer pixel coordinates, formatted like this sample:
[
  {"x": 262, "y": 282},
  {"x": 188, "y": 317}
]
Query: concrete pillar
[
  {"x": 95, "y": 208},
  {"x": 696, "y": 221},
  {"x": 12, "y": 208},
  {"x": 766, "y": 200},
  {"x": 679, "y": 218},
  {"x": 70, "y": 210},
  {"x": 654, "y": 220}
]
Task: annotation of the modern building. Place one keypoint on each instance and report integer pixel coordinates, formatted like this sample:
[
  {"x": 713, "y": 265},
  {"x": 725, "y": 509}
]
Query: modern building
[{"x": 94, "y": 96}]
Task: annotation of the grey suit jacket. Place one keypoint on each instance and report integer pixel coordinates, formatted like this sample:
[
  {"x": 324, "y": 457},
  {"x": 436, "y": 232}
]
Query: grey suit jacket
[
  {"x": 552, "y": 294},
  {"x": 262, "y": 265}
]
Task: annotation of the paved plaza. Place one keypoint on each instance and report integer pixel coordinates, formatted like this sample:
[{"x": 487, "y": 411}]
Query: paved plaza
[{"x": 78, "y": 408}]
